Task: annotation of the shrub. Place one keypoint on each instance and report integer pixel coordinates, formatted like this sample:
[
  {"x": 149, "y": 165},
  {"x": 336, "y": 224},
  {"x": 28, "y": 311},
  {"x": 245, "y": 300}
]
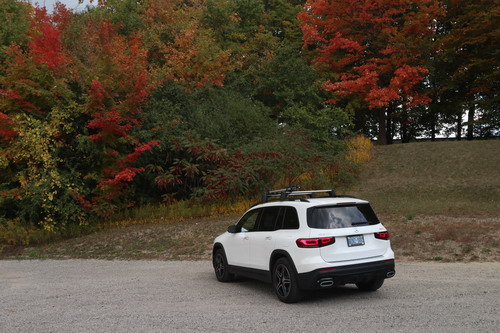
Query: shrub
[{"x": 359, "y": 149}]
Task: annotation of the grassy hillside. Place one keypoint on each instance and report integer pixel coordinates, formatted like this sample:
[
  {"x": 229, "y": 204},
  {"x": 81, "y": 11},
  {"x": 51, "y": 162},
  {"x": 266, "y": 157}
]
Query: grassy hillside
[
  {"x": 451, "y": 178},
  {"x": 440, "y": 200}
]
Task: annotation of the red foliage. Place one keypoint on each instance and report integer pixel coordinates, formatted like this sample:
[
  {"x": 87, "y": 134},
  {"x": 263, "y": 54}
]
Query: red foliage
[
  {"x": 14, "y": 96},
  {"x": 45, "y": 45},
  {"x": 110, "y": 124},
  {"x": 61, "y": 16},
  {"x": 375, "y": 46},
  {"x": 123, "y": 84},
  {"x": 132, "y": 157},
  {"x": 7, "y": 131},
  {"x": 125, "y": 175}
]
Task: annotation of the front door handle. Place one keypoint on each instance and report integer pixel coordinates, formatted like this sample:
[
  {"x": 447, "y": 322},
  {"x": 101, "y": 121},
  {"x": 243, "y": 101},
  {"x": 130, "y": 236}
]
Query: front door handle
[{"x": 268, "y": 238}]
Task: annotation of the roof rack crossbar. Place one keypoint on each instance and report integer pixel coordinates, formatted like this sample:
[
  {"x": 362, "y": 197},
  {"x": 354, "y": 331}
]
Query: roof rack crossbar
[{"x": 288, "y": 192}]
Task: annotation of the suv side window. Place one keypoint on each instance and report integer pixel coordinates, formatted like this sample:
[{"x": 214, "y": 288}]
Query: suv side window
[
  {"x": 269, "y": 218},
  {"x": 249, "y": 220},
  {"x": 291, "y": 220}
]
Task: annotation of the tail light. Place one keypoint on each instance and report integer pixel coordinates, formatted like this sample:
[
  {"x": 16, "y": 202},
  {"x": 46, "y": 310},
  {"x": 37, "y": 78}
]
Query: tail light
[
  {"x": 315, "y": 242},
  {"x": 382, "y": 235}
]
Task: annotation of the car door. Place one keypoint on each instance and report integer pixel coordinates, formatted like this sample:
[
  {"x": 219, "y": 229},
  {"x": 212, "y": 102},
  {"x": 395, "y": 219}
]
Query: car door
[
  {"x": 237, "y": 245},
  {"x": 263, "y": 240}
]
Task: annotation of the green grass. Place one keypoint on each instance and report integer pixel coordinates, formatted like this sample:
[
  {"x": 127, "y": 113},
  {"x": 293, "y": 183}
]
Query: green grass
[{"x": 454, "y": 178}]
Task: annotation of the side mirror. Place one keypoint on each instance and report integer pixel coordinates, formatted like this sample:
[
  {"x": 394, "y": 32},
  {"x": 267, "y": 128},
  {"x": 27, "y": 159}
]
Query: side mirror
[{"x": 232, "y": 229}]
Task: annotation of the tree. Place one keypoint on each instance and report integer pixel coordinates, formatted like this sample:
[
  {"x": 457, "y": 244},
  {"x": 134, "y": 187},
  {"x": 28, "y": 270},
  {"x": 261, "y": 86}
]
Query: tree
[
  {"x": 180, "y": 47},
  {"x": 35, "y": 122},
  {"x": 376, "y": 49},
  {"x": 469, "y": 53},
  {"x": 15, "y": 23}
]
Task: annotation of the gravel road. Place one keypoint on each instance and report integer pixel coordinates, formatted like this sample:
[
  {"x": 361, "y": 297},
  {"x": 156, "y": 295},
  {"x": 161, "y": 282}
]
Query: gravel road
[{"x": 160, "y": 296}]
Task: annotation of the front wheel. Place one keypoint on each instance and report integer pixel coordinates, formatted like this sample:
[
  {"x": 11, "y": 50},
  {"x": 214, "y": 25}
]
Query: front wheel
[
  {"x": 285, "y": 282},
  {"x": 370, "y": 285},
  {"x": 220, "y": 266}
]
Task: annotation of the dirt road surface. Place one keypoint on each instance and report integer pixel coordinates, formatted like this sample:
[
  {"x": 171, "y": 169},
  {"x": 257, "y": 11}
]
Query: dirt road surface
[{"x": 177, "y": 296}]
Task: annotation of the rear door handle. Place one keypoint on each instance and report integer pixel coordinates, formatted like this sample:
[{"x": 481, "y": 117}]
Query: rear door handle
[
  {"x": 246, "y": 237},
  {"x": 268, "y": 238}
]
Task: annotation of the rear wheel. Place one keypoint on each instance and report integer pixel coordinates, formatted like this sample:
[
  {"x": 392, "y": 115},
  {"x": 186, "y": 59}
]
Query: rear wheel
[
  {"x": 220, "y": 266},
  {"x": 370, "y": 285},
  {"x": 285, "y": 282}
]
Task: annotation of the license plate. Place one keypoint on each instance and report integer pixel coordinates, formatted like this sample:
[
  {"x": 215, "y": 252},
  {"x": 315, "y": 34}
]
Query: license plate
[{"x": 357, "y": 240}]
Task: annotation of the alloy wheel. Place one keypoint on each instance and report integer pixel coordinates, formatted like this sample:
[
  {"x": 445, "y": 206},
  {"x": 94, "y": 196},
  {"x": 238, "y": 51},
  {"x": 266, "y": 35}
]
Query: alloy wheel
[
  {"x": 283, "y": 280},
  {"x": 219, "y": 265}
]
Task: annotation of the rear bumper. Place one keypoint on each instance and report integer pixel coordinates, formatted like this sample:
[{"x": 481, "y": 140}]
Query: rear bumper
[{"x": 330, "y": 277}]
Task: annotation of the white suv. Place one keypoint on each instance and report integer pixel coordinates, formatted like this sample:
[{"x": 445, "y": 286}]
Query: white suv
[{"x": 303, "y": 240}]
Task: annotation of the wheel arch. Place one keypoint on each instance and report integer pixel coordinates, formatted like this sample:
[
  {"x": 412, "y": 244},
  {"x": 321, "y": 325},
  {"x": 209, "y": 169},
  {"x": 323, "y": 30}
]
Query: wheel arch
[
  {"x": 277, "y": 254},
  {"x": 217, "y": 246}
]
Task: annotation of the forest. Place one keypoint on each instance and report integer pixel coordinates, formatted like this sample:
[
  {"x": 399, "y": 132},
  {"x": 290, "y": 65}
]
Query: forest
[{"x": 139, "y": 102}]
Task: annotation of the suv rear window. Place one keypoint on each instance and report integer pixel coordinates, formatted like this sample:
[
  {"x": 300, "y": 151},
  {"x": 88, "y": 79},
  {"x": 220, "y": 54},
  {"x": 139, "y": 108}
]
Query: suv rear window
[{"x": 341, "y": 216}]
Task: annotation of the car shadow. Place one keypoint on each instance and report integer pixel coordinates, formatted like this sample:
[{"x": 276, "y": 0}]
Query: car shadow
[{"x": 334, "y": 294}]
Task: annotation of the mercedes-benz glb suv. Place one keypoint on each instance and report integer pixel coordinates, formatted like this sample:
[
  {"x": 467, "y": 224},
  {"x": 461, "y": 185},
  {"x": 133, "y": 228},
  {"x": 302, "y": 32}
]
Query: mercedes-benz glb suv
[{"x": 303, "y": 240}]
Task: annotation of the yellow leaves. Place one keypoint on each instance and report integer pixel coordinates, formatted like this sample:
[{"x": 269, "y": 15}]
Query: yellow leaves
[
  {"x": 4, "y": 161},
  {"x": 359, "y": 149},
  {"x": 230, "y": 208}
]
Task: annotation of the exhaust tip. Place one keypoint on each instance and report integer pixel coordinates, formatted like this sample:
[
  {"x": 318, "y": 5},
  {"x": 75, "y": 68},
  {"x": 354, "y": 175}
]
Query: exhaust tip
[
  {"x": 390, "y": 274},
  {"x": 326, "y": 282}
]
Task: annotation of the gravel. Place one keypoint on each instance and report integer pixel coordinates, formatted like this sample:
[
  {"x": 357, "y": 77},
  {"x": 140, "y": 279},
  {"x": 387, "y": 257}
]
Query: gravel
[{"x": 181, "y": 296}]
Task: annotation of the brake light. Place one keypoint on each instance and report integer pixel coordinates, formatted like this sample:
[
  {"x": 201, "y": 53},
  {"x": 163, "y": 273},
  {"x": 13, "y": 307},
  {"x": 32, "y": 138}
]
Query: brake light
[
  {"x": 382, "y": 235},
  {"x": 315, "y": 242}
]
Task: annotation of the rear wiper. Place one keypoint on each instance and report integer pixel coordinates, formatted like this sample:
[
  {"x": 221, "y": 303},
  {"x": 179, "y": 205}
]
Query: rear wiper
[{"x": 360, "y": 223}]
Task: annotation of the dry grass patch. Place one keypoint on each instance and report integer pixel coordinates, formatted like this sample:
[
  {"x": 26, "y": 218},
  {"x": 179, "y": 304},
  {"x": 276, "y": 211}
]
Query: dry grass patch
[
  {"x": 445, "y": 238},
  {"x": 185, "y": 240},
  {"x": 442, "y": 238}
]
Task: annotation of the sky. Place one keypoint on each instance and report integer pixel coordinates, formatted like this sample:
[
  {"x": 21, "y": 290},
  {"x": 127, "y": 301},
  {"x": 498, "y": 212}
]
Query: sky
[{"x": 71, "y": 4}]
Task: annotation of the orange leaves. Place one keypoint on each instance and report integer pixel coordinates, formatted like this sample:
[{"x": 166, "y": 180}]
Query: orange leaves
[{"x": 184, "y": 51}]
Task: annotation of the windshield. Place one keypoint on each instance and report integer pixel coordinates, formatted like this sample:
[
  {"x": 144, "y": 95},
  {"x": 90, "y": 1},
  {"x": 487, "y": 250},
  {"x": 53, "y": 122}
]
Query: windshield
[{"x": 334, "y": 217}]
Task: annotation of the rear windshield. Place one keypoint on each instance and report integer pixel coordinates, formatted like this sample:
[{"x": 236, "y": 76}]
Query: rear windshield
[{"x": 345, "y": 216}]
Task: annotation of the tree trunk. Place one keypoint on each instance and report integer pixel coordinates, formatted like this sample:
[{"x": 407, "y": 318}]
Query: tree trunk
[
  {"x": 470, "y": 122},
  {"x": 359, "y": 120},
  {"x": 389, "y": 125},
  {"x": 267, "y": 4},
  {"x": 433, "y": 126},
  {"x": 459, "y": 127},
  {"x": 405, "y": 137},
  {"x": 382, "y": 135}
]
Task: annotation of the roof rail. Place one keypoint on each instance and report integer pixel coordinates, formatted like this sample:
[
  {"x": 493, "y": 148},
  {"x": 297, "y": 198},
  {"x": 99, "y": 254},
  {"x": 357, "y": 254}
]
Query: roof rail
[{"x": 286, "y": 193}]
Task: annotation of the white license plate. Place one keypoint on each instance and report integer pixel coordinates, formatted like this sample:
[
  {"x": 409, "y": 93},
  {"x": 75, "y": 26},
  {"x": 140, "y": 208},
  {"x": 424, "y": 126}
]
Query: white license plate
[{"x": 357, "y": 240}]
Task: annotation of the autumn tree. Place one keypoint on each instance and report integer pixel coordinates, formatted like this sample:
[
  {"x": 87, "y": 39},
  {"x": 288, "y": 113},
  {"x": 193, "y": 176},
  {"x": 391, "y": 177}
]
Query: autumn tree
[
  {"x": 180, "y": 47},
  {"x": 37, "y": 113},
  {"x": 375, "y": 48},
  {"x": 68, "y": 110}
]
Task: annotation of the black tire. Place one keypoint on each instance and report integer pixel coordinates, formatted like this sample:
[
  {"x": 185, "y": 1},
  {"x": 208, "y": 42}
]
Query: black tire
[
  {"x": 285, "y": 282},
  {"x": 371, "y": 285},
  {"x": 220, "y": 266}
]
